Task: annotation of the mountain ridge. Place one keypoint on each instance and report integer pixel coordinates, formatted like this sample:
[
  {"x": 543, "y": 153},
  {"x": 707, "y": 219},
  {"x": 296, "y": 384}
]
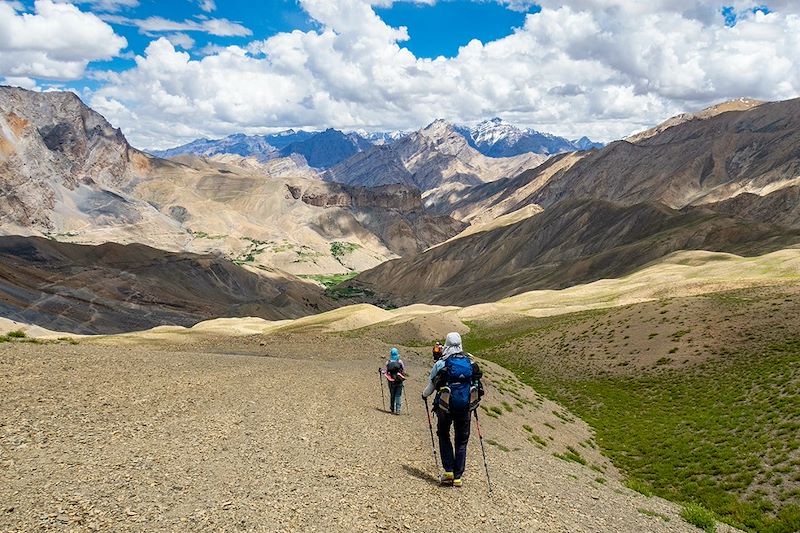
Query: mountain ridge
[
  {"x": 574, "y": 241},
  {"x": 497, "y": 138},
  {"x": 732, "y": 148},
  {"x": 493, "y": 138},
  {"x": 434, "y": 159}
]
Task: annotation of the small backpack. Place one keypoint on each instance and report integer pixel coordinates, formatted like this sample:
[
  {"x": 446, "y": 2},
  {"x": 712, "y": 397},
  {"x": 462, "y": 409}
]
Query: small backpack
[
  {"x": 460, "y": 390},
  {"x": 437, "y": 352},
  {"x": 394, "y": 371}
]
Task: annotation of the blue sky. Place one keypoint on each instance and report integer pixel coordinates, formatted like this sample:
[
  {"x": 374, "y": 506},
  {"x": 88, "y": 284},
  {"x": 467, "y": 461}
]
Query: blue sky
[
  {"x": 437, "y": 29},
  {"x": 442, "y": 28},
  {"x": 167, "y": 72}
]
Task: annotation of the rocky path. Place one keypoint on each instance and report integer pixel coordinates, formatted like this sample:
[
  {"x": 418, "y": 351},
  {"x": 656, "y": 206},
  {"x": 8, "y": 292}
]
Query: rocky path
[{"x": 132, "y": 439}]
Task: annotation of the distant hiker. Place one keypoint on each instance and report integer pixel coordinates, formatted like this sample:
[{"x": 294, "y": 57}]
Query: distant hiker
[
  {"x": 437, "y": 351},
  {"x": 395, "y": 375},
  {"x": 456, "y": 379}
]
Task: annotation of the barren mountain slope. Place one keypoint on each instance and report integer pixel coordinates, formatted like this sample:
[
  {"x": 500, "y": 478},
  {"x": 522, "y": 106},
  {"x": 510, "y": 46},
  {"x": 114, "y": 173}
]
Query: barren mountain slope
[
  {"x": 280, "y": 439},
  {"x": 65, "y": 173},
  {"x": 394, "y": 213},
  {"x": 257, "y": 220},
  {"x": 293, "y": 166},
  {"x": 484, "y": 203},
  {"x": 778, "y": 207},
  {"x": 114, "y": 288},
  {"x": 695, "y": 162},
  {"x": 736, "y": 147},
  {"x": 572, "y": 242},
  {"x": 739, "y": 104},
  {"x": 62, "y": 169},
  {"x": 291, "y": 222}
]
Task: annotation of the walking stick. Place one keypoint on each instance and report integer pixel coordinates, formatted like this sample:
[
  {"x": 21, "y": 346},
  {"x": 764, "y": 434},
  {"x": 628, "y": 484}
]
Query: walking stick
[
  {"x": 485, "y": 465},
  {"x": 380, "y": 383},
  {"x": 433, "y": 444}
]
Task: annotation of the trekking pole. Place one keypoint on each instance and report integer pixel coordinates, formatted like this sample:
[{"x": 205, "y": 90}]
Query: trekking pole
[
  {"x": 380, "y": 383},
  {"x": 483, "y": 450},
  {"x": 433, "y": 444}
]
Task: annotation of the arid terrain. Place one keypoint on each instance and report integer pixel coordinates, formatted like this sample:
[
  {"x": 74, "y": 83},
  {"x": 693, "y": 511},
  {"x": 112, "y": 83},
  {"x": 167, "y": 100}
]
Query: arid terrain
[
  {"x": 288, "y": 436},
  {"x": 194, "y": 343},
  {"x": 251, "y": 425}
]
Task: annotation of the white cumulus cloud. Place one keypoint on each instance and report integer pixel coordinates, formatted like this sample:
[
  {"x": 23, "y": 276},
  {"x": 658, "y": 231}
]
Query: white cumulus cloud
[
  {"x": 181, "y": 40},
  {"x": 25, "y": 83},
  {"x": 602, "y": 68},
  {"x": 56, "y": 41}
]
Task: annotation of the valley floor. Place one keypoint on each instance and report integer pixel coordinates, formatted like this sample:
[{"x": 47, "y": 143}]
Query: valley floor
[{"x": 285, "y": 436}]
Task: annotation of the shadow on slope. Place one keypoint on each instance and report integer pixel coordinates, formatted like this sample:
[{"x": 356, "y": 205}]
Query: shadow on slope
[
  {"x": 115, "y": 288},
  {"x": 575, "y": 241}
]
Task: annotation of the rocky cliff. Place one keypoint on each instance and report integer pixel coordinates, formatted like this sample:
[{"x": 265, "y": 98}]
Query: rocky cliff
[{"x": 63, "y": 168}]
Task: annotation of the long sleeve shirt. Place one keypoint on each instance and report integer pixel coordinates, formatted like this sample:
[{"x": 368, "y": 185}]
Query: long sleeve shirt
[{"x": 435, "y": 370}]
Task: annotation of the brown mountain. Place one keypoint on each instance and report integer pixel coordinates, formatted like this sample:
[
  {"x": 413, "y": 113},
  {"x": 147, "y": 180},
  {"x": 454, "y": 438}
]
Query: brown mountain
[
  {"x": 394, "y": 213},
  {"x": 778, "y": 207},
  {"x": 733, "y": 171},
  {"x": 435, "y": 158},
  {"x": 115, "y": 288},
  {"x": 734, "y": 148},
  {"x": 692, "y": 163},
  {"x": 739, "y": 104},
  {"x": 574, "y": 241},
  {"x": 63, "y": 167},
  {"x": 67, "y": 174}
]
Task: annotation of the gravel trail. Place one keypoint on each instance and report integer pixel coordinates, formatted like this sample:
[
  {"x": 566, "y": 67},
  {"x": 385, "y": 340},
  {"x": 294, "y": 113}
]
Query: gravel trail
[{"x": 97, "y": 437}]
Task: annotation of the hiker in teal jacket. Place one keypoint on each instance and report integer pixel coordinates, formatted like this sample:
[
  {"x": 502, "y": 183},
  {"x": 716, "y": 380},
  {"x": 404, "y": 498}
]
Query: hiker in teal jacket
[{"x": 395, "y": 375}]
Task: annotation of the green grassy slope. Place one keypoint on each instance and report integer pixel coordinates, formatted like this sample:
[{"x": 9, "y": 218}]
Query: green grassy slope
[{"x": 697, "y": 399}]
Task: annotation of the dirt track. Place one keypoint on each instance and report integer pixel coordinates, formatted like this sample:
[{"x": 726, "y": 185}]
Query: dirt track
[{"x": 133, "y": 439}]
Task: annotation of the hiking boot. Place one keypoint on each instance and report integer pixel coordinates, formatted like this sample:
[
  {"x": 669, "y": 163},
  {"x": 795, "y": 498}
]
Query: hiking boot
[
  {"x": 457, "y": 482},
  {"x": 446, "y": 478}
]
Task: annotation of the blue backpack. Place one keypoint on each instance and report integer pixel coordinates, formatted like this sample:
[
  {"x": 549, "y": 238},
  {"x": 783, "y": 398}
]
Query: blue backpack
[{"x": 457, "y": 395}]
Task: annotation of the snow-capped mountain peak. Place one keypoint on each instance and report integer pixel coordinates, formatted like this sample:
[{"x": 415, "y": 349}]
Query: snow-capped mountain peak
[
  {"x": 490, "y": 132},
  {"x": 497, "y": 138}
]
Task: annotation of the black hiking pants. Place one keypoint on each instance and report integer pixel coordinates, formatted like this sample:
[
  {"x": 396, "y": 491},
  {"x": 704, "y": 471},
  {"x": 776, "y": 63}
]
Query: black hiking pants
[{"x": 453, "y": 460}]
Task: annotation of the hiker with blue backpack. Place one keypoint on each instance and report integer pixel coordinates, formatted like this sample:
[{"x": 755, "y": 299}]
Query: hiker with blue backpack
[
  {"x": 456, "y": 379},
  {"x": 395, "y": 376}
]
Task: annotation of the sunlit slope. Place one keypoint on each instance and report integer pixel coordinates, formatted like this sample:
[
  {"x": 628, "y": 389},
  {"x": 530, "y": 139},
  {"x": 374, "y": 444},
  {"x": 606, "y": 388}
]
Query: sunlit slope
[{"x": 680, "y": 274}]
